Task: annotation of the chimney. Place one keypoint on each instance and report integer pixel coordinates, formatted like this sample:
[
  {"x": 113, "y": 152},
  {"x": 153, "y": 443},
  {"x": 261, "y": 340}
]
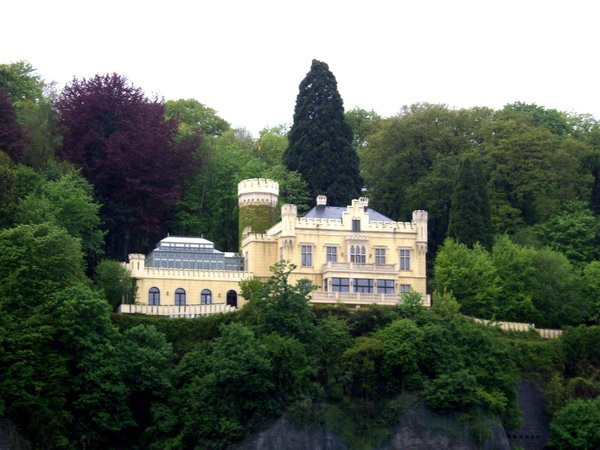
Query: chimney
[{"x": 321, "y": 200}]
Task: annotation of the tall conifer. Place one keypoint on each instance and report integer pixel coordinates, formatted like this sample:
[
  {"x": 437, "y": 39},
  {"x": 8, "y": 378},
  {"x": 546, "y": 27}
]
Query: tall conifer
[
  {"x": 320, "y": 141},
  {"x": 470, "y": 219}
]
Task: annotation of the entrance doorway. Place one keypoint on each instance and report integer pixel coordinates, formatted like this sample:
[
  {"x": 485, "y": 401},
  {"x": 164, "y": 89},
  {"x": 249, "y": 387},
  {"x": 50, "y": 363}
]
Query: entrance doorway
[{"x": 232, "y": 298}]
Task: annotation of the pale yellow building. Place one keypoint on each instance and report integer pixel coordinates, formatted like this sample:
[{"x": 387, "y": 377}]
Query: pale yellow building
[{"x": 353, "y": 254}]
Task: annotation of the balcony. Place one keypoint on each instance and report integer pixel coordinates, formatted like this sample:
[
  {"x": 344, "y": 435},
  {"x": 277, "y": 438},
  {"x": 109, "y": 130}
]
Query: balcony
[
  {"x": 356, "y": 267},
  {"x": 188, "y": 311},
  {"x": 353, "y": 298},
  {"x": 359, "y": 298}
]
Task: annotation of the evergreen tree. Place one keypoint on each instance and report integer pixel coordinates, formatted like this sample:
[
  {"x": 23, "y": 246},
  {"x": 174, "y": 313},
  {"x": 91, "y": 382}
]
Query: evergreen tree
[
  {"x": 470, "y": 219},
  {"x": 320, "y": 146}
]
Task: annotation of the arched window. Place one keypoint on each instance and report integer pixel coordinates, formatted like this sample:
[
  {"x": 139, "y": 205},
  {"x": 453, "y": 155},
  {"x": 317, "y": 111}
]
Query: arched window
[
  {"x": 205, "y": 297},
  {"x": 179, "y": 297},
  {"x": 154, "y": 296}
]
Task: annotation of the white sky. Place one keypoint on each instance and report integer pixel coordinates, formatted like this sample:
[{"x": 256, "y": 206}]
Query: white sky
[{"x": 246, "y": 59}]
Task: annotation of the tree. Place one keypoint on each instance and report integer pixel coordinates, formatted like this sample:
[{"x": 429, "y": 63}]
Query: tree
[
  {"x": 36, "y": 261},
  {"x": 68, "y": 202},
  {"x": 320, "y": 146},
  {"x": 410, "y": 162},
  {"x": 279, "y": 307},
  {"x": 271, "y": 144},
  {"x": 574, "y": 231},
  {"x": 21, "y": 82},
  {"x": 363, "y": 124},
  {"x": 116, "y": 282},
  {"x": 577, "y": 425},
  {"x": 130, "y": 153},
  {"x": 12, "y": 139},
  {"x": 470, "y": 276},
  {"x": 195, "y": 118},
  {"x": 518, "y": 156},
  {"x": 470, "y": 219},
  {"x": 8, "y": 179}
]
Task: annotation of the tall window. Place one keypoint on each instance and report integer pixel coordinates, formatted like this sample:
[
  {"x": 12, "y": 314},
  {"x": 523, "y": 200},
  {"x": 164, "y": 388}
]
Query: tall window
[
  {"x": 179, "y": 297},
  {"x": 404, "y": 259},
  {"x": 205, "y": 297},
  {"x": 306, "y": 255},
  {"x": 358, "y": 254},
  {"x": 331, "y": 253},
  {"x": 380, "y": 256},
  {"x": 340, "y": 285},
  {"x": 405, "y": 288},
  {"x": 355, "y": 225},
  {"x": 154, "y": 296},
  {"x": 385, "y": 286},
  {"x": 363, "y": 285}
]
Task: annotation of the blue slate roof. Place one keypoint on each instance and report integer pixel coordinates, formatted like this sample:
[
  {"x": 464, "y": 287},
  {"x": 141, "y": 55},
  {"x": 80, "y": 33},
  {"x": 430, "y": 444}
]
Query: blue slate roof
[{"x": 335, "y": 212}]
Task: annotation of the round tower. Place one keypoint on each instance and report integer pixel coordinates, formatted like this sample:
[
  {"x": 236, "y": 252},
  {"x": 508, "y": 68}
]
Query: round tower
[{"x": 257, "y": 199}]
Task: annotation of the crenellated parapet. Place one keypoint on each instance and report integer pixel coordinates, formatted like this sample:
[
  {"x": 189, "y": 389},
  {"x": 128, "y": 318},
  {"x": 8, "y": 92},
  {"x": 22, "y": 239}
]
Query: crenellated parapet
[
  {"x": 419, "y": 219},
  {"x": 256, "y": 191}
]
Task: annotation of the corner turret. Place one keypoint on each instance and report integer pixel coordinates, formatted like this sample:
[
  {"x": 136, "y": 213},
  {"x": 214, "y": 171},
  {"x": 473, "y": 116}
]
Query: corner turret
[{"x": 257, "y": 200}]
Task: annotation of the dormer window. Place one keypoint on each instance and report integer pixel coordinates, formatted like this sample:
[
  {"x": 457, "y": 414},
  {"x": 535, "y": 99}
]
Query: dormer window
[{"x": 356, "y": 225}]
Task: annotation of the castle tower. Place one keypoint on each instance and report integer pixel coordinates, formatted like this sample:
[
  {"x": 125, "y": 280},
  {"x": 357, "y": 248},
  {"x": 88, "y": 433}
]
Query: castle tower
[
  {"x": 419, "y": 219},
  {"x": 257, "y": 199}
]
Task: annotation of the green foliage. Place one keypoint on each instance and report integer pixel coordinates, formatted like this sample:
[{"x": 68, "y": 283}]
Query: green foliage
[
  {"x": 258, "y": 217},
  {"x": 363, "y": 123},
  {"x": 8, "y": 179},
  {"x": 591, "y": 289},
  {"x": 470, "y": 276},
  {"x": 577, "y": 425},
  {"x": 470, "y": 221},
  {"x": 445, "y": 304},
  {"x": 35, "y": 262},
  {"x": 67, "y": 202},
  {"x": 401, "y": 341},
  {"x": 21, "y": 82},
  {"x": 574, "y": 231},
  {"x": 277, "y": 306},
  {"x": 512, "y": 283},
  {"x": 115, "y": 281},
  {"x": 320, "y": 141},
  {"x": 194, "y": 117},
  {"x": 519, "y": 157},
  {"x": 271, "y": 144}
]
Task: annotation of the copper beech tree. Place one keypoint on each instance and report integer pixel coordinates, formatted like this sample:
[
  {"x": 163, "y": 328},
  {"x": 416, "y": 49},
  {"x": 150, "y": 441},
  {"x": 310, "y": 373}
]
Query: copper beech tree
[{"x": 129, "y": 152}]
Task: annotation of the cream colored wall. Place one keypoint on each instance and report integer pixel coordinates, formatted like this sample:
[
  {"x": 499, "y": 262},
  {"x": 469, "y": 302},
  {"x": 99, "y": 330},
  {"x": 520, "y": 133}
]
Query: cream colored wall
[
  {"x": 288, "y": 237},
  {"x": 391, "y": 241},
  {"x": 193, "y": 288},
  {"x": 193, "y": 281},
  {"x": 260, "y": 253}
]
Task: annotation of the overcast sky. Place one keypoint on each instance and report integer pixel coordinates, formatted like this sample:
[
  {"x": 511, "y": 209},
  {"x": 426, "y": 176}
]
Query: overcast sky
[{"x": 246, "y": 59}]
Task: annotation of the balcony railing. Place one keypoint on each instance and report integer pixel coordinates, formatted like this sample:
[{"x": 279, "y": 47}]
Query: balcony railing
[
  {"x": 188, "y": 311},
  {"x": 354, "y": 298},
  {"x": 360, "y": 298},
  {"x": 356, "y": 267}
]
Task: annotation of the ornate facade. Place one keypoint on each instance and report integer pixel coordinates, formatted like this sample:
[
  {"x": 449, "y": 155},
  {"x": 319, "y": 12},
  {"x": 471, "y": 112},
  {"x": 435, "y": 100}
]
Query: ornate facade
[{"x": 353, "y": 254}]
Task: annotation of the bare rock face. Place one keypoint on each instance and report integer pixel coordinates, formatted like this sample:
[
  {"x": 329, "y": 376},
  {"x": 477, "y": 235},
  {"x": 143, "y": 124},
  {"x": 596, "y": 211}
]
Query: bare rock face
[
  {"x": 535, "y": 431},
  {"x": 283, "y": 435},
  {"x": 10, "y": 438},
  {"x": 416, "y": 428}
]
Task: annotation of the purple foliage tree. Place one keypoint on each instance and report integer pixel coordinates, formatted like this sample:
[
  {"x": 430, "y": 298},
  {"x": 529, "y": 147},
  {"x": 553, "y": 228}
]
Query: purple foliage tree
[{"x": 129, "y": 152}]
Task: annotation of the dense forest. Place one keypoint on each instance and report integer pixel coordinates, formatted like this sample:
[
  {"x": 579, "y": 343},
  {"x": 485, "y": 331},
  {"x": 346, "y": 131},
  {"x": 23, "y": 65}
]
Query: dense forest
[{"x": 96, "y": 169}]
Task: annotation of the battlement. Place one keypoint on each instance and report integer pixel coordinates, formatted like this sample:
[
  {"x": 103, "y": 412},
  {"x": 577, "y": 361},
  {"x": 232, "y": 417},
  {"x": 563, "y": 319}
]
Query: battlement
[
  {"x": 258, "y": 191},
  {"x": 419, "y": 215},
  {"x": 258, "y": 185}
]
